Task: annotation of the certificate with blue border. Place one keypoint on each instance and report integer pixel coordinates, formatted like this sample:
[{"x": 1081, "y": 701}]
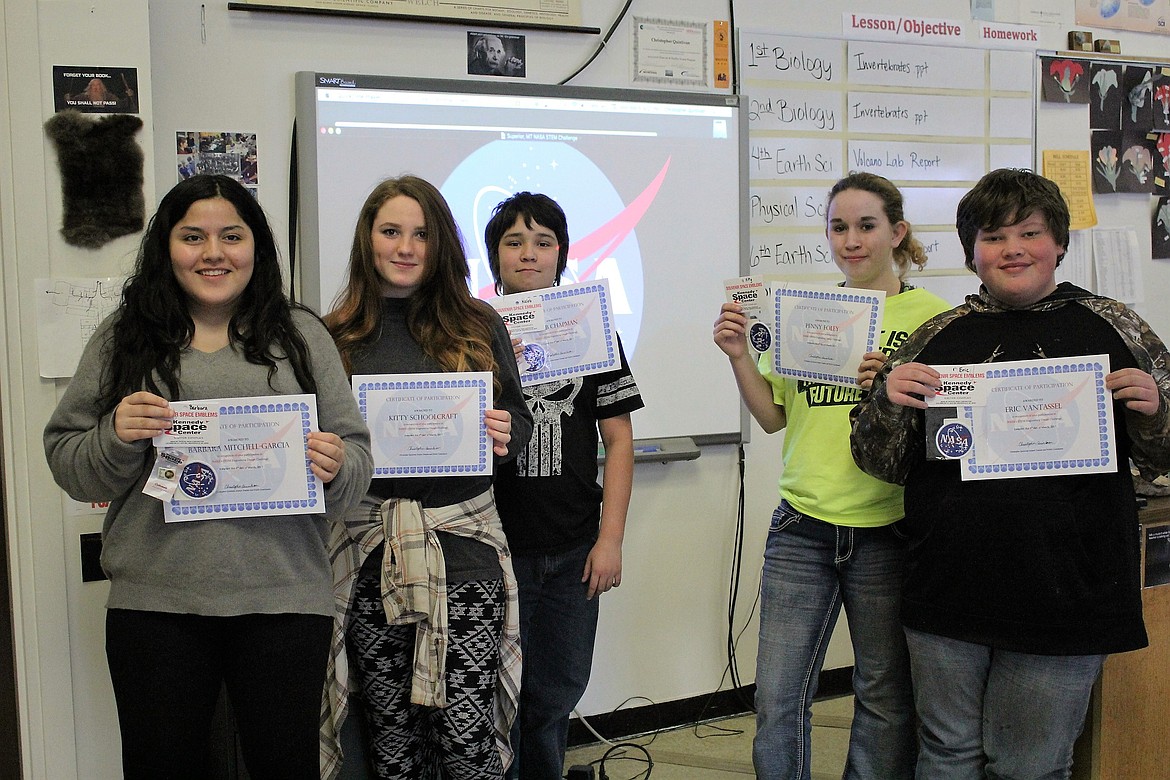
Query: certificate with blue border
[
  {"x": 260, "y": 467},
  {"x": 427, "y": 425},
  {"x": 578, "y": 336},
  {"x": 1037, "y": 418},
  {"x": 822, "y": 333}
]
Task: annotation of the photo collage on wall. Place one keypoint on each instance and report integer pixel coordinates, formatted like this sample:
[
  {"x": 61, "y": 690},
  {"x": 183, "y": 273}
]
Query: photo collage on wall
[
  {"x": 228, "y": 154},
  {"x": 1129, "y": 125}
]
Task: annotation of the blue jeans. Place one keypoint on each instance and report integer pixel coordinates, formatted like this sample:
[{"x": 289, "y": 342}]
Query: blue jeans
[
  {"x": 557, "y": 629},
  {"x": 811, "y": 569},
  {"x": 997, "y": 714}
]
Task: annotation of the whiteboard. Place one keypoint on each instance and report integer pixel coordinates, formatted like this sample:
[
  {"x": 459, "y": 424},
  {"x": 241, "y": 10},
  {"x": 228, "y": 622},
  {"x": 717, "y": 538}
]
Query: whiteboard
[
  {"x": 931, "y": 119},
  {"x": 652, "y": 184}
]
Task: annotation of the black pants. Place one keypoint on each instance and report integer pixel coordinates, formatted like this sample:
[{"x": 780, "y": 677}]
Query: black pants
[{"x": 167, "y": 670}]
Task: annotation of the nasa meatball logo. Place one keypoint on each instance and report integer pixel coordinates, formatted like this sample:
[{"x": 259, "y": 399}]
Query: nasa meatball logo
[
  {"x": 535, "y": 357},
  {"x": 954, "y": 440},
  {"x": 197, "y": 480},
  {"x": 760, "y": 337}
]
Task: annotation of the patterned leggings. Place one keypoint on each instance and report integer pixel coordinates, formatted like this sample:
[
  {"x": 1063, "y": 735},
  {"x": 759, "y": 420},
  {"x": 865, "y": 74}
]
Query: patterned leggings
[{"x": 411, "y": 742}]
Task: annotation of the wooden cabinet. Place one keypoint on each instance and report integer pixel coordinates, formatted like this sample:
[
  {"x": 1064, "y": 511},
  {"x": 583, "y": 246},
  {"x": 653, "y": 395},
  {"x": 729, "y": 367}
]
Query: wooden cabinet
[{"x": 1127, "y": 731}]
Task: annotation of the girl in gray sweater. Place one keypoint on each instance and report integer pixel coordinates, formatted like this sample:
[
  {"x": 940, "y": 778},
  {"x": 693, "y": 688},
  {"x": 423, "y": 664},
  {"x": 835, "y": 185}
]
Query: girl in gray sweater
[{"x": 244, "y": 601}]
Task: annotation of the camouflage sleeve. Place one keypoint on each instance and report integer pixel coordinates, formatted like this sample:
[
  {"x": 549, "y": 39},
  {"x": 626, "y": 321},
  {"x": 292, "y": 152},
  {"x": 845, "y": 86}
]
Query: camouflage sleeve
[
  {"x": 883, "y": 434},
  {"x": 886, "y": 438},
  {"x": 1149, "y": 435}
]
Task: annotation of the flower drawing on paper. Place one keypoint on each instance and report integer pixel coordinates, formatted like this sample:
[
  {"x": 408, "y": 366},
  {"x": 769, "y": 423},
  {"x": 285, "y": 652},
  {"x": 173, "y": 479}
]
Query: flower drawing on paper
[
  {"x": 1162, "y": 95},
  {"x": 1067, "y": 74},
  {"x": 1164, "y": 217},
  {"x": 1104, "y": 80},
  {"x": 1163, "y": 144},
  {"x": 1140, "y": 161},
  {"x": 1107, "y": 165},
  {"x": 1137, "y": 95}
]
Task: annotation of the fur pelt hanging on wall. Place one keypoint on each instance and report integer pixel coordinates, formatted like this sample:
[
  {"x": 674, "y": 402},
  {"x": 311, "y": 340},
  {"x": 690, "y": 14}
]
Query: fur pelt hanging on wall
[{"x": 101, "y": 176}]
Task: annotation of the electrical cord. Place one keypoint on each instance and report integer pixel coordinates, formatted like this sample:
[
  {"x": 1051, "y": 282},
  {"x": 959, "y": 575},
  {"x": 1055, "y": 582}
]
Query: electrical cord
[
  {"x": 604, "y": 40},
  {"x": 736, "y": 572},
  {"x": 731, "y": 668},
  {"x": 589, "y": 727},
  {"x": 734, "y": 59},
  {"x": 701, "y": 721},
  {"x": 294, "y": 202},
  {"x": 609, "y": 755},
  {"x": 293, "y": 196}
]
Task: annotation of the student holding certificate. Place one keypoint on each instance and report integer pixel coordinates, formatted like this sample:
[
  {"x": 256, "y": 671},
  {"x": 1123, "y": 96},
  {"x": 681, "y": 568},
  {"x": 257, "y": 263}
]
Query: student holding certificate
[
  {"x": 564, "y": 529},
  {"x": 245, "y": 601},
  {"x": 1017, "y": 588},
  {"x": 424, "y": 576},
  {"x": 832, "y": 540}
]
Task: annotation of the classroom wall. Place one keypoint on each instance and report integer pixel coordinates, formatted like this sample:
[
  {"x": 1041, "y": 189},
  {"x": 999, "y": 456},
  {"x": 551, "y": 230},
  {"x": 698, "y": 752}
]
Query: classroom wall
[{"x": 203, "y": 67}]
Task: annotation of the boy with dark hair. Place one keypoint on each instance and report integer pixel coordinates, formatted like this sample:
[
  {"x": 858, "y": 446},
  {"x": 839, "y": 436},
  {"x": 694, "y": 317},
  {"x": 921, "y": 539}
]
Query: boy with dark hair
[
  {"x": 1000, "y": 197},
  {"x": 565, "y": 532},
  {"x": 1016, "y": 589},
  {"x": 531, "y": 209}
]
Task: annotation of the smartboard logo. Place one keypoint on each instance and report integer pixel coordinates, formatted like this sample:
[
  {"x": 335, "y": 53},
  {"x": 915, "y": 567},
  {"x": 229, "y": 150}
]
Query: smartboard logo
[{"x": 602, "y": 227}]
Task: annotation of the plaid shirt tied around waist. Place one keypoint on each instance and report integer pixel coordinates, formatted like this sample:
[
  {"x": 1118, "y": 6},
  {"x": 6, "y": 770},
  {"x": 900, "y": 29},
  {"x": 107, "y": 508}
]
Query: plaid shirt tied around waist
[{"x": 414, "y": 590}]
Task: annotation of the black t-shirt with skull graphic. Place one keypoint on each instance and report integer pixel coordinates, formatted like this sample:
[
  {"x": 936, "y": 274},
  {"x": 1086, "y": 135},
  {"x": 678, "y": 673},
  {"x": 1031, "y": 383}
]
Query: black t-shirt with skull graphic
[{"x": 548, "y": 497}]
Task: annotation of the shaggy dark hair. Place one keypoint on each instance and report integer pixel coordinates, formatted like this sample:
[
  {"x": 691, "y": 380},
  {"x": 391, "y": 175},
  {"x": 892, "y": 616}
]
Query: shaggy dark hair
[
  {"x": 532, "y": 207},
  {"x": 154, "y": 323},
  {"x": 1006, "y": 197}
]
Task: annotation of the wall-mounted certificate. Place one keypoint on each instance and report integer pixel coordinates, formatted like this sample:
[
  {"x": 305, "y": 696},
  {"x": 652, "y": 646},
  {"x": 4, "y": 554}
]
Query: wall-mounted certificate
[
  {"x": 1025, "y": 418},
  {"x": 567, "y": 331},
  {"x": 427, "y": 425},
  {"x": 260, "y": 465},
  {"x": 823, "y": 332}
]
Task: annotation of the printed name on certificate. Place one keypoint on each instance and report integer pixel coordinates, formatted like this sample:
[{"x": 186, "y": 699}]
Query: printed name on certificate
[
  {"x": 822, "y": 333},
  {"x": 258, "y": 464},
  {"x": 427, "y": 424},
  {"x": 1024, "y": 418},
  {"x": 567, "y": 331}
]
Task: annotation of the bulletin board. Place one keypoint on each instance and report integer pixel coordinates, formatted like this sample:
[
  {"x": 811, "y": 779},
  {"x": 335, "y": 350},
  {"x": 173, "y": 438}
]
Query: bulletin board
[
  {"x": 1106, "y": 107},
  {"x": 931, "y": 119}
]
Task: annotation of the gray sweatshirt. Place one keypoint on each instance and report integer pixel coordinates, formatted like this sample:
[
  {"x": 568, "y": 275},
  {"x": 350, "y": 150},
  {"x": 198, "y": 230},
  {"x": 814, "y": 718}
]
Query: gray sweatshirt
[{"x": 208, "y": 567}]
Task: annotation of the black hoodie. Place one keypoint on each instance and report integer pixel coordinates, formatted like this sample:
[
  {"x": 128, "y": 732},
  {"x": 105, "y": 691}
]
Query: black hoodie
[{"x": 1046, "y": 565}]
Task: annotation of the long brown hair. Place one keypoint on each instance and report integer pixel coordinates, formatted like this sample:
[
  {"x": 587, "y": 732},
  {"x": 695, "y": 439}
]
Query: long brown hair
[{"x": 452, "y": 328}]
